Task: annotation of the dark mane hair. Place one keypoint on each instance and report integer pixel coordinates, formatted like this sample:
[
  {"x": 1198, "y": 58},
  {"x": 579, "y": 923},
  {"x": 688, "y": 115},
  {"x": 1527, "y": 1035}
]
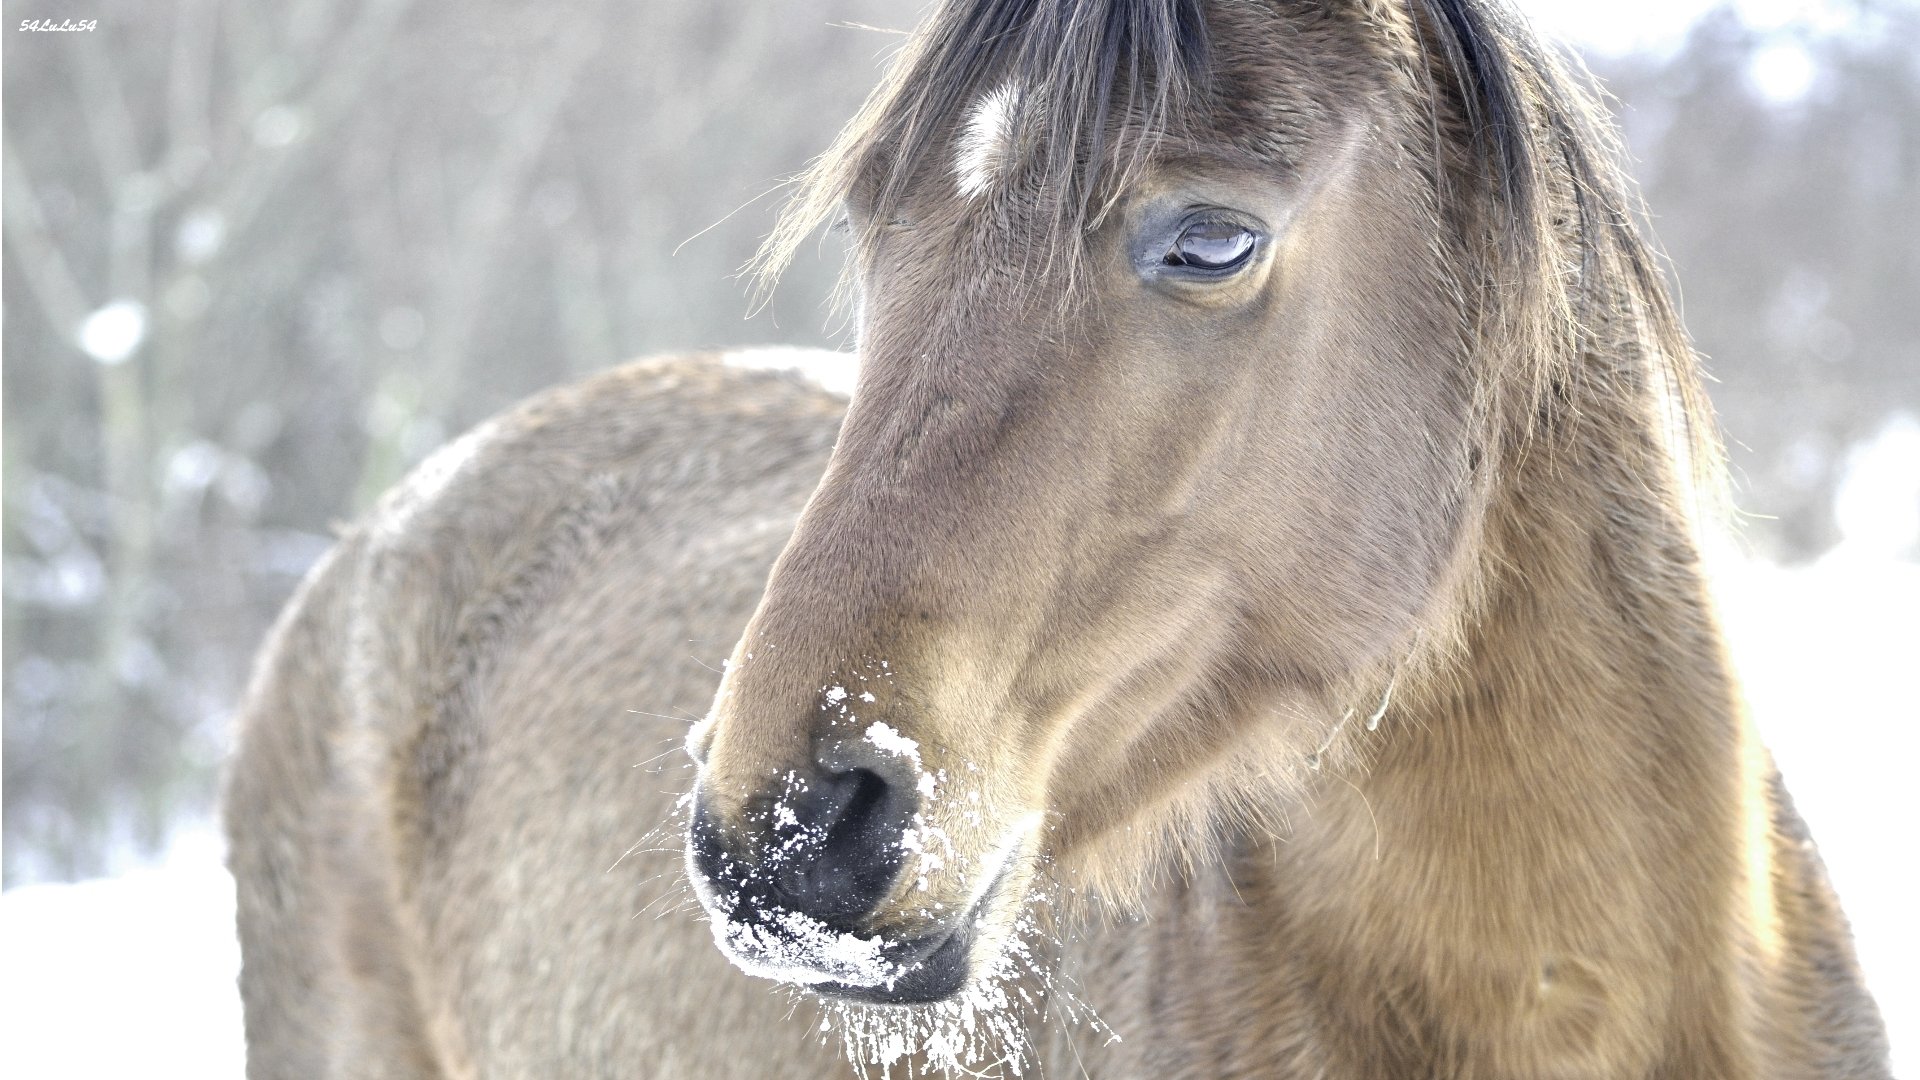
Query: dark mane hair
[{"x": 1537, "y": 184}]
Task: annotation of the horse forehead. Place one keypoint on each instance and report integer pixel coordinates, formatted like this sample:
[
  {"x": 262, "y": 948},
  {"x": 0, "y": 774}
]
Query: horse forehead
[{"x": 985, "y": 147}]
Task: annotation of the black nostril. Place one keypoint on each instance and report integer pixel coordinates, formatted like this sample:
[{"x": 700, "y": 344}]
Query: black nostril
[
  {"x": 866, "y": 794},
  {"x": 837, "y": 848},
  {"x": 825, "y": 842}
]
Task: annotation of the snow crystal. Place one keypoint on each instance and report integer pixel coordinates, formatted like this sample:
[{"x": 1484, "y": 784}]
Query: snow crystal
[
  {"x": 793, "y": 947},
  {"x": 987, "y": 1025},
  {"x": 834, "y": 372},
  {"x": 199, "y": 235},
  {"x": 884, "y": 736}
]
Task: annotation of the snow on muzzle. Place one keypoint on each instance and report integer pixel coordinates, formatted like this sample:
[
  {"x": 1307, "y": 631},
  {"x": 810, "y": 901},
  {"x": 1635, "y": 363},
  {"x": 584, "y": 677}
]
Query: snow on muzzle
[{"x": 798, "y": 877}]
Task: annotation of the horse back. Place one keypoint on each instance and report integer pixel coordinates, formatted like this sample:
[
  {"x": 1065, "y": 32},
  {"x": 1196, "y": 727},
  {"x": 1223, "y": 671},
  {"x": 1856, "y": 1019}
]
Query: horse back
[{"x": 452, "y": 810}]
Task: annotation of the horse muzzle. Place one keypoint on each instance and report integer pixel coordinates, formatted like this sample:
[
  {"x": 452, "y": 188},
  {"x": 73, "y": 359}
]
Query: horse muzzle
[{"x": 796, "y": 878}]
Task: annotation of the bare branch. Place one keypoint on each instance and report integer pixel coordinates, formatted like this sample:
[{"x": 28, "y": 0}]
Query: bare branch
[
  {"x": 40, "y": 260},
  {"x": 132, "y": 196},
  {"x": 190, "y": 81},
  {"x": 110, "y": 126},
  {"x": 462, "y": 286},
  {"x": 348, "y": 71}
]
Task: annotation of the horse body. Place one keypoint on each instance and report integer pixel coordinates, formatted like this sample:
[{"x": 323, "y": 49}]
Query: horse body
[
  {"x": 1280, "y": 636},
  {"x": 446, "y": 756}
]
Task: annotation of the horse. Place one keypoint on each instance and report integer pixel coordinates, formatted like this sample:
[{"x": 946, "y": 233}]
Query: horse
[{"x": 1247, "y": 621}]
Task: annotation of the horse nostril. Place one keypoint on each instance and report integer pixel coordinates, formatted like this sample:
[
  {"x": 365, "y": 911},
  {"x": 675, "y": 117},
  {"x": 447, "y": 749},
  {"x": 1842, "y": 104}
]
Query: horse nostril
[
  {"x": 865, "y": 794},
  {"x": 826, "y": 842},
  {"x": 838, "y": 844}
]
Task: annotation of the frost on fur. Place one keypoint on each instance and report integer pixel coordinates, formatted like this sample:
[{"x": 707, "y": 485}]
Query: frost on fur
[{"x": 985, "y": 1030}]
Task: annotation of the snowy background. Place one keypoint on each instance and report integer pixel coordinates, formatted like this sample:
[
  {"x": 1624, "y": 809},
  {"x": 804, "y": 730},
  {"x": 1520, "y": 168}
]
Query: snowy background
[{"x": 176, "y": 430}]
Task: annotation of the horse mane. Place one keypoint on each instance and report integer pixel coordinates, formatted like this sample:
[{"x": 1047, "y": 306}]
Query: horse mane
[
  {"x": 1571, "y": 287},
  {"x": 1545, "y": 226}
]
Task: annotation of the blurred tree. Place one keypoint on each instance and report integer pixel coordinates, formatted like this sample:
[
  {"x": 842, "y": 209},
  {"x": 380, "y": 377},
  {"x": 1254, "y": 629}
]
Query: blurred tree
[
  {"x": 1790, "y": 205},
  {"x": 261, "y": 258}
]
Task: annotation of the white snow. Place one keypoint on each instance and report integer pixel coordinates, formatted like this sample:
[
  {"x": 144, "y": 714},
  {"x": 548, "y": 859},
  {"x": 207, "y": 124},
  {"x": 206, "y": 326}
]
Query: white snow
[
  {"x": 834, "y": 372},
  {"x": 888, "y": 739},
  {"x": 985, "y": 1025},
  {"x": 1827, "y": 654},
  {"x": 125, "y": 976},
  {"x": 1782, "y": 72},
  {"x": 803, "y": 950},
  {"x": 1878, "y": 504}
]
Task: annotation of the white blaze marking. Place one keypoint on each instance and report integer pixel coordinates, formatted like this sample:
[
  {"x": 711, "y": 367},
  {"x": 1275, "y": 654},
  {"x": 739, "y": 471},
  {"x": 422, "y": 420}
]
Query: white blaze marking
[{"x": 987, "y": 143}]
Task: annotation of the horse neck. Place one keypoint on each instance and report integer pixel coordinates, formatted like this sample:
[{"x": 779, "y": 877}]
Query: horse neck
[
  {"x": 1534, "y": 867},
  {"x": 1566, "y": 795},
  {"x": 1593, "y": 678},
  {"x": 1593, "y": 651}
]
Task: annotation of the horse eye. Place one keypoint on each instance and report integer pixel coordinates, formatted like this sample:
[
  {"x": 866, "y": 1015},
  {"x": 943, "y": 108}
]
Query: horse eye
[{"x": 1211, "y": 245}]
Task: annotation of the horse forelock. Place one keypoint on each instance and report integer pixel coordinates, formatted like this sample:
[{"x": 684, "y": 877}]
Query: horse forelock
[{"x": 1072, "y": 95}]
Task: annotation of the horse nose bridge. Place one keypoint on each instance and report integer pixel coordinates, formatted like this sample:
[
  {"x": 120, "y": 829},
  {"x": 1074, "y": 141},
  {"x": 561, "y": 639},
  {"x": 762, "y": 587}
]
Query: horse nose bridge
[
  {"x": 945, "y": 473},
  {"x": 881, "y": 559},
  {"x": 942, "y": 396}
]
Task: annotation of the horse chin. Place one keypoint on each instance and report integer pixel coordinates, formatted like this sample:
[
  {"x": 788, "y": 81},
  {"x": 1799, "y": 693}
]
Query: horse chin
[
  {"x": 925, "y": 968},
  {"x": 945, "y": 960},
  {"x": 942, "y": 969},
  {"x": 929, "y": 966}
]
